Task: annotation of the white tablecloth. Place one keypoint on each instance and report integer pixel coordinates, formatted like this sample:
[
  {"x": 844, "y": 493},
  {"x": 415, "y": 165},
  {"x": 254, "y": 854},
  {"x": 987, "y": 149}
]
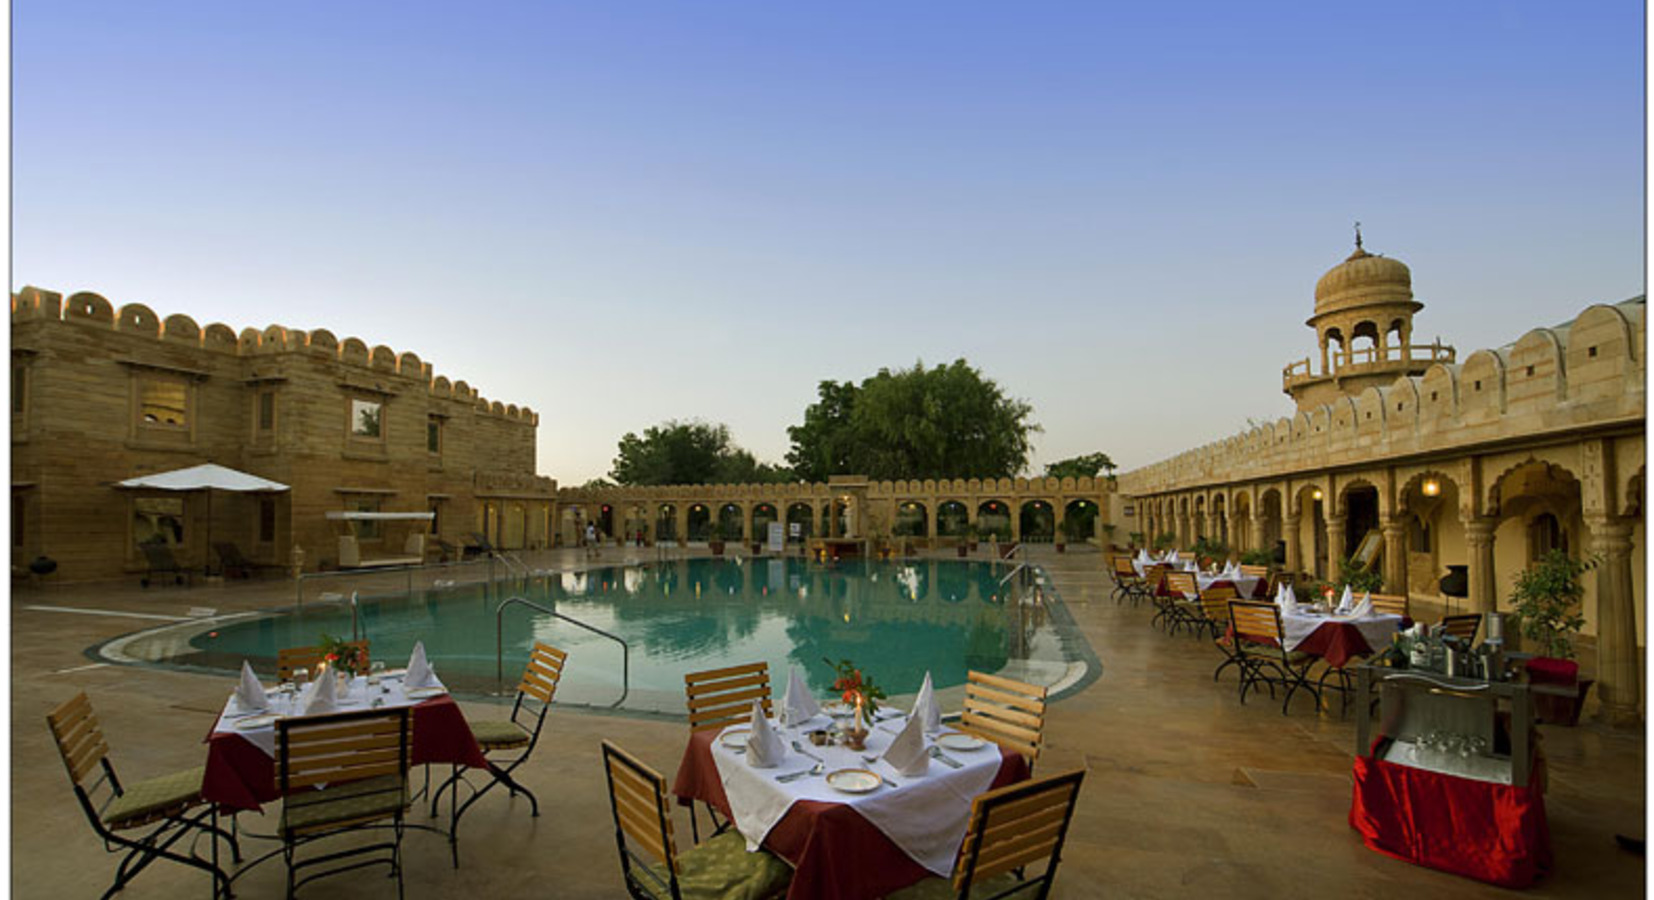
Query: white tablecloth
[
  {"x": 1376, "y": 629},
  {"x": 360, "y": 696},
  {"x": 925, "y": 816},
  {"x": 1143, "y": 567}
]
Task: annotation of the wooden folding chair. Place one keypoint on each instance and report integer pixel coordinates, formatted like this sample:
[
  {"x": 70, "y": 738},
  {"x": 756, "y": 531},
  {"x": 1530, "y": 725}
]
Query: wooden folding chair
[
  {"x": 172, "y": 803},
  {"x": 1276, "y": 581},
  {"x": 1393, "y": 604},
  {"x": 1255, "y": 571},
  {"x": 1261, "y": 642},
  {"x": 1463, "y": 626},
  {"x": 649, "y": 859},
  {"x": 1128, "y": 585},
  {"x": 291, "y": 659},
  {"x": 341, "y": 772},
  {"x": 1214, "y": 610},
  {"x": 719, "y": 698},
  {"x": 1182, "y": 609},
  {"x": 519, "y": 732},
  {"x": 1011, "y": 830},
  {"x": 1008, "y": 712}
]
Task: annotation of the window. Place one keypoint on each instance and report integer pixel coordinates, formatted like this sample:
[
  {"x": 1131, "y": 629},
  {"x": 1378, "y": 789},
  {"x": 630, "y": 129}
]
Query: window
[
  {"x": 163, "y": 402},
  {"x": 158, "y": 520},
  {"x": 266, "y": 412},
  {"x": 433, "y": 435},
  {"x": 266, "y": 520},
  {"x": 366, "y": 419}
]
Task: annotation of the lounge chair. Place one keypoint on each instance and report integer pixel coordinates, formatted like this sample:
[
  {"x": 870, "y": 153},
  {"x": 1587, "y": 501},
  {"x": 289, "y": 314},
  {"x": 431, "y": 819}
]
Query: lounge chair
[
  {"x": 479, "y": 546},
  {"x": 162, "y": 562},
  {"x": 234, "y": 565}
]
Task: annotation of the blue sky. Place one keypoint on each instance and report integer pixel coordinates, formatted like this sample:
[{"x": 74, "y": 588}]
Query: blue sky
[{"x": 622, "y": 213}]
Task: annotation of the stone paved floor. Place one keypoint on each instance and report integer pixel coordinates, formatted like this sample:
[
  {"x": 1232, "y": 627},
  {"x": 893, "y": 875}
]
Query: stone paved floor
[{"x": 1187, "y": 792}]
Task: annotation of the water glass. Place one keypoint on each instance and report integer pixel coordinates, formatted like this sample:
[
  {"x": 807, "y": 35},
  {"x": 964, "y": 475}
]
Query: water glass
[{"x": 376, "y": 671}]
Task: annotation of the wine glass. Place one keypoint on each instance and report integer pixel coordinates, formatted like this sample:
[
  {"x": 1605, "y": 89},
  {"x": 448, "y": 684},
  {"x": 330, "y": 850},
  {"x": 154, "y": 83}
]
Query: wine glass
[{"x": 376, "y": 671}]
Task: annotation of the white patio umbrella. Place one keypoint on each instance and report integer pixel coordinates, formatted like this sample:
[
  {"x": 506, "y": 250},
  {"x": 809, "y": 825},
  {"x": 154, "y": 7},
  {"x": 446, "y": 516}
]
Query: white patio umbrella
[{"x": 207, "y": 477}]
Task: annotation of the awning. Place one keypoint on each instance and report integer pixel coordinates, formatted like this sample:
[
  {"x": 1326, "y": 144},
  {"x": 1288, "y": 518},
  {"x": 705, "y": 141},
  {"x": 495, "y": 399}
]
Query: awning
[
  {"x": 207, "y": 476},
  {"x": 350, "y": 515}
]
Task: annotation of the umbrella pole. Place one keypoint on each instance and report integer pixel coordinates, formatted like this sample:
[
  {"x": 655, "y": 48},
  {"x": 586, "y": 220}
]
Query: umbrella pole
[{"x": 206, "y": 556}]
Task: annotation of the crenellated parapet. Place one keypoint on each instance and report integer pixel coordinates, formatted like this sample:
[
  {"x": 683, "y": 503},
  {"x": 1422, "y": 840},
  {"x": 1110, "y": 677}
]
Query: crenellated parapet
[
  {"x": 90, "y": 310},
  {"x": 1588, "y": 372},
  {"x": 942, "y": 489}
]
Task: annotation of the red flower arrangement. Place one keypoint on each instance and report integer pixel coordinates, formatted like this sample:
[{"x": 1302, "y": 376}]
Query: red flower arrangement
[
  {"x": 855, "y": 688},
  {"x": 343, "y": 656}
]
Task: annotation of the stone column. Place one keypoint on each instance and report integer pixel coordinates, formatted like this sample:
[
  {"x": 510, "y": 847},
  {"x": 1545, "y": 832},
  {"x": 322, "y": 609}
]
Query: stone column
[
  {"x": 1336, "y": 548},
  {"x": 1395, "y": 555},
  {"x": 1294, "y": 552},
  {"x": 680, "y": 523},
  {"x": 746, "y": 522},
  {"x": 1478, "y": 537},
  {"x": 1258, "y": 538},
  {"x": 1016, "y": 522},
  {"x": 1619, "y": 682},
  {"x": 1183, "y": 538}
]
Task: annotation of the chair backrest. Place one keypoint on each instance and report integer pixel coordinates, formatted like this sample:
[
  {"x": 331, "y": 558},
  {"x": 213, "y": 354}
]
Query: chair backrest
[
  {"x": 1016, "y": 826},
  {"x": 1392, "y": 604},
  {"x": 1276, "y": 580},
  {"x": 1008, "y": 712},
  {"x": 1123, "y": 569},
  {"x": 1255, "y": 571},
  {"x": 719, "y": 698},
  {"x": 290, "y": 658},
  {"x": 1214, "y": 602},
  {"x": 1256, "y": 620},
  {"x": 1184, "y": 583},
  {"x": 539, "y": 684},
  {"x": 643, "y": 821},
  {"x": 337, "y": 748},
  {"x": 80, "y": 742},
  {"x": 1463, "y": 626},
  {"x": 1153, "y": 575}
]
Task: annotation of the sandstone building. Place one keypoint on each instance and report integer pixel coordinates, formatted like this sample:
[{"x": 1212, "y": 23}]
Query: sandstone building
[
  {"x": 100, "y": 395},
  {"x": 1485, "y": 463}
]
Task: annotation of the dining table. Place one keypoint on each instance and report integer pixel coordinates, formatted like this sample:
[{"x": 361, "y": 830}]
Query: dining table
[
  {"x": 851, "y": 825},
  {"x": 1337, "y": 638},
  {"x": 241, "y": 747}
]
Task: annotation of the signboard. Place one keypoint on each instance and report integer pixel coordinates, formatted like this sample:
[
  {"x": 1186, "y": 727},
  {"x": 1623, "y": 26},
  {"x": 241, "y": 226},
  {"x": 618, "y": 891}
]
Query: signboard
[
  {"x": 796, "y": 529},
  {"x": 778, "y": 538}
]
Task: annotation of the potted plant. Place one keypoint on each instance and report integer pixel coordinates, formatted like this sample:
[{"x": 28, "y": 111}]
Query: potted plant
[
  {"x": 1257, "y": 558},
  {"x": 1165, "y": 539},
  {"x": 1546, "y": 598},
  {"x": 967, "y": 542},
  {"x": 715, "y": 538},
  {"x": 1135, "y": 538}
]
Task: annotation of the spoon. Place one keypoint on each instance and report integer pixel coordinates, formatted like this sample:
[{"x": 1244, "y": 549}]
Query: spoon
[
  {"x": 799, "y": 746},
  {"x": 817, "y": 769}
]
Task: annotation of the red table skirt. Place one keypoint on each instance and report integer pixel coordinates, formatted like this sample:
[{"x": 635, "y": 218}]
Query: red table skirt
[
  {"x": 836, "y": 854},
  {"x": 242, "y": 776},
  {"x": 1490, "y": 832},
  {"x": 1335, "y": 642}
]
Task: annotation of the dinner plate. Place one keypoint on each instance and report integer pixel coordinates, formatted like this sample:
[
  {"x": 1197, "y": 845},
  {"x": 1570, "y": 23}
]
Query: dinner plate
[
  {"x": 853, "y": 781},
  {"x": 422, "y": 693},
  {"x": 735, "y": 738},
  {"x": 955, "y": 741},
  {"x": 248, "y": 723}
]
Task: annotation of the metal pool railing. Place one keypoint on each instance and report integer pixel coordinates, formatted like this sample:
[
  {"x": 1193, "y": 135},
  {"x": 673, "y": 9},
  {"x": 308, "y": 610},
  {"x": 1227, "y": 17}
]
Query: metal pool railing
[{"x": 499, "y": 644}]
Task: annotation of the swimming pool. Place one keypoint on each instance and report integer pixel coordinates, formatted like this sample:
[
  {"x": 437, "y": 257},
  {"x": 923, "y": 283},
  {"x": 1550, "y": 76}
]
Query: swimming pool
[{"x": 896, "y": 620}]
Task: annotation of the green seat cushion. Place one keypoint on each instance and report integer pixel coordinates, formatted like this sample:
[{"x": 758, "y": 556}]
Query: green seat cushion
[
  {"x": 720, "y": 867},
  {"x": 309, "y": 809},
  {"x": 498, "y": 733},
  {"x": 146, "y": 798},
  {"x": 942, "y": 888}
]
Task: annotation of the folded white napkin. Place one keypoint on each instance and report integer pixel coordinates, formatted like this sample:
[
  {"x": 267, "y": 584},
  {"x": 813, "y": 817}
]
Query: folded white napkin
[
  {"x": 797, "y": 705},
  {"x": 249, "y": 694},
  {"x": 419, "y": 673},
  {"x": 1289, "y": 603},
  {"x": 1143, "y": 556},
  {"x": 907, "y": 753},
  {"x": 322, "y": 696},
  {"x": 765, "y": 748},
  {"x": 1346, "y": 602},
  {"x": 926, "y": 709},
  {"x": 1280, "y": 593},
  {"x": 1364, "y": 608}
]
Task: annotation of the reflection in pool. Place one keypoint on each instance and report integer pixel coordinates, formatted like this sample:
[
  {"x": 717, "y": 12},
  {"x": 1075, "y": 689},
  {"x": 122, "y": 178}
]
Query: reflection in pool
[{"x": 895, "y": 620}]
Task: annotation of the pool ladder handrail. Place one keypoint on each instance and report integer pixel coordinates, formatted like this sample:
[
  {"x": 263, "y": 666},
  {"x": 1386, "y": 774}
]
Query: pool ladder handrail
[
  {"x": 355, "y": 611},
  {"x": 499, "y": 644}
]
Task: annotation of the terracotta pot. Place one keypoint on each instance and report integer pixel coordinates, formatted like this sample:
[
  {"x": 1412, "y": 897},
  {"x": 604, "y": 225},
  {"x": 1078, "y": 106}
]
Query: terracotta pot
[
  {"x": 717, "y": 547},
  {"x": 963, "y": 549}
]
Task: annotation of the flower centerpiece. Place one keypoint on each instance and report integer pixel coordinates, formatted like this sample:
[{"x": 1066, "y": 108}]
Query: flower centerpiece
[
  {"x": 343, "y": 656},
  {"x": 859, "y": 690}
]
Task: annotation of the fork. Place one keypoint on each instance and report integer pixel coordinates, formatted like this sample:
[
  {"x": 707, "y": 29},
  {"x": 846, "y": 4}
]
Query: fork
[
  {"x": 817, "y": 769},
  {"x": 936, "y": 752}
]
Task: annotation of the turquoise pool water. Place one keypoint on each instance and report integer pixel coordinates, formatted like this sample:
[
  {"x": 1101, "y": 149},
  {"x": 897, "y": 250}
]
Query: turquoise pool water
[{"x": 895, "y": 620}]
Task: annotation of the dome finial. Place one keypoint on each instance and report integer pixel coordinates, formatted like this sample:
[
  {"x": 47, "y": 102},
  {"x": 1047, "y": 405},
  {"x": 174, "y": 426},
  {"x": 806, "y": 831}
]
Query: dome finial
[{"x": 1358, "y": 235}]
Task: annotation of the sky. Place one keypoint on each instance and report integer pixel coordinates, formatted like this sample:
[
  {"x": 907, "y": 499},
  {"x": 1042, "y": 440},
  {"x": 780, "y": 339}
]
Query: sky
[{"x": 619, "y": 214}]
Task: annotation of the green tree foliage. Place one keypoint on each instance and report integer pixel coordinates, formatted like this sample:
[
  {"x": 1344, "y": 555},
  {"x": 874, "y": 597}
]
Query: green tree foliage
[
  {"x": 689, "y": 453},
  {"x": 942, "y": 422},
  {"x": 1088, "y": 466}
]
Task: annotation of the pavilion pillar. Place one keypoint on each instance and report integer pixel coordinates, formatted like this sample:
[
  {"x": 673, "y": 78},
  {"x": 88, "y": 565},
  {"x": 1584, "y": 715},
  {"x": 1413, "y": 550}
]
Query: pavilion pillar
[
  {"x": 1619, "y": 681},
  {"x": 1257, "y": 538},
  {"x": 1336, "y": 549},
  {"x": 1395, "y": 555},
  {"x": 680, "y": 523},
  {"x": 1478, "y": 537},
  {"x": 747, "y": 512},
  {"x": 1294, "y": 550}
]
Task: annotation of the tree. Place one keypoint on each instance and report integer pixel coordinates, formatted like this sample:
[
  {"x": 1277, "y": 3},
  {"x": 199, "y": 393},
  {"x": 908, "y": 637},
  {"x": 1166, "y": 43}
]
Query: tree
[
  {"x": 943, "y": 422},
  {"x": 692, "y": 452},
  {"x": 1087, "y": 466}
]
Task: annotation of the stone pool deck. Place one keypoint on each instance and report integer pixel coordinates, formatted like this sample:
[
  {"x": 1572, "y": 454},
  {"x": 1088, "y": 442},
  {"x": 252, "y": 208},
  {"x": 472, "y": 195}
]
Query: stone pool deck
[{"x": 1187, "y": 793}]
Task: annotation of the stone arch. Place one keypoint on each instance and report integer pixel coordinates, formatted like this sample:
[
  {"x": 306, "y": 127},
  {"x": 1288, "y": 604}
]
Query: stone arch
[
  {"x": 1037, "y": 520},
  {"x": 993, "y": 515},
  {"x": 1413, "y": 489},
  {"x": 1516, "y": 478},
  {"x": 911, "y": 519},
  {"x": 136, "y": 318},
  {"x": 89, "y": 306},
  {"x": 181, "y": 329},
  {"x": 1366, "y": 328}
]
